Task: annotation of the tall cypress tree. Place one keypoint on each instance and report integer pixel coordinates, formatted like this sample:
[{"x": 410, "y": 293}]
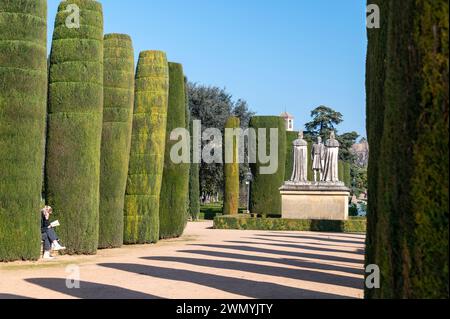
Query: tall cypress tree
[
  {"x": 407, "y": 83},
  {"x": 148, "y": 141},
  {"x": 23, "y": 93},
  {"x": 75, "y": 112},
  {"x": 118, "y": 78},
  {"x": 265, "y": 196},
  {"x": 173, "y": 204},
  {"x": 231, "y": 172}
]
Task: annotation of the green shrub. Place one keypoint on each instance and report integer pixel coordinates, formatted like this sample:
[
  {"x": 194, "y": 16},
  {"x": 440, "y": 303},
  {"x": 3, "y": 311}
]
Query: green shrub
[
  {"x": 173, "y": 204},
  {"x": 231, "y": 173},
  {"x": 23, "y": 94},
  {"x": 357, "y": 225},
  {"x": 118, "y": 79},
  {"x": 141, "y": 220},
  {"x": 75, "y": 112},
  {"x": 265, "y": 195},
  {"x": 407, "y": 107}
]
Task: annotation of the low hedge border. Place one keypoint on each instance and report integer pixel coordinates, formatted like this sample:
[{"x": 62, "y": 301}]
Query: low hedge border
[{"x": 353, "y": 225}]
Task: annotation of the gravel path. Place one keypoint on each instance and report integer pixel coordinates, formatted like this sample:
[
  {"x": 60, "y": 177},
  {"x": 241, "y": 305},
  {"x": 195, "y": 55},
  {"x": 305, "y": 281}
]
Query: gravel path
[{"x": 204, "y": 263}]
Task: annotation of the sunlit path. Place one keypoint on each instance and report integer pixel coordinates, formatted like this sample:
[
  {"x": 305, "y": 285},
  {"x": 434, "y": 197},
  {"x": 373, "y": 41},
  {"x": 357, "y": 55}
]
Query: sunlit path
[{"x": 204, "y": 263}]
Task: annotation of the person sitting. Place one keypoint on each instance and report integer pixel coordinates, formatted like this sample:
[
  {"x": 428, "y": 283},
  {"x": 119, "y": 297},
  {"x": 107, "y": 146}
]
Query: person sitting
[{"x": 51, "y": 240}]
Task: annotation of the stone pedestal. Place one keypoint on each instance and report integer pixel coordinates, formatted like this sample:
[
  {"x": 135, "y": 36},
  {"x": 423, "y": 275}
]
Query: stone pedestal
[{"x": 315, "y": 201}]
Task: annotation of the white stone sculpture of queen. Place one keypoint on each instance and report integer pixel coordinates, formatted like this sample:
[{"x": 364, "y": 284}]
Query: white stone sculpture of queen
[
  {"x": 330, "y": 172},
  {"x": 300, "y": 170}
]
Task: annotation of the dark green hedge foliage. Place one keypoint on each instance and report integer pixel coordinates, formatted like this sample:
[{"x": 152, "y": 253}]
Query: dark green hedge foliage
[
  {"x": 231, "y": 174},
  {"x": 407, "y": 107},
  {"x": 194, "y": 170},
  {"x": 353, "y": 225},
  {"x": 290, "y": 138},
  {"x": 173, "y": 203},
  {"x": 23, "y": 94},
  {"x": 141, "y": 221},
  {"x": 265, "y": 195},
  {"x": 118, "y": 78},
  {"x": 75, "y": 112}
]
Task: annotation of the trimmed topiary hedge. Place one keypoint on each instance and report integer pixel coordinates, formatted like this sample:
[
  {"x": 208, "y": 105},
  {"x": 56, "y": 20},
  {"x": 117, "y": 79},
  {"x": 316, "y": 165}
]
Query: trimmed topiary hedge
[
  {"x": 173, "y": 203},
  {"x": 231, "y": 173},
  {"x": 75, "y": 112},
  {"x": 344, "y": 173},
  {"x": 265, "y": 195},
  {"x": 357, "y": 225},
  {"x": 23, "y": 94},
  {"x": 289, "y": 167},
  {"x": 194, "y": 170},
  {"x": 141, "y": 220},
  {"x": 118, "y": 78},
  {"x": 407, "y": 107}
]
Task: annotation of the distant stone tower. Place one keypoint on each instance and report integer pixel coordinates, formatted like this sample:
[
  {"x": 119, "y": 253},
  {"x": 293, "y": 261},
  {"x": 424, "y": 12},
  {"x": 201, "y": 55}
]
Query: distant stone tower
[{"x": 289, "y": 119}]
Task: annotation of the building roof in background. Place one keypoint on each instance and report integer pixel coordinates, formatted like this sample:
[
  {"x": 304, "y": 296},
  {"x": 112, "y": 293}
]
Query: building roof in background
[{"x": 286, "y": 115}]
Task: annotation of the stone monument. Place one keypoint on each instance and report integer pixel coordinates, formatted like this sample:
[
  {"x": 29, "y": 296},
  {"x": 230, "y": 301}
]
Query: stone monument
[{"x": 326, "y": 198}]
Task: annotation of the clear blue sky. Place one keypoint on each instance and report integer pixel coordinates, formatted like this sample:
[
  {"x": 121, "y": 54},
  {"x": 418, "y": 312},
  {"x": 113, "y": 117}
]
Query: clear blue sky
[{"x": 276, "y": 54}]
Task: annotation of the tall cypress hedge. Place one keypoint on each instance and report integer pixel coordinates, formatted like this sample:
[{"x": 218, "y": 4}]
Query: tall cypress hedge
[
  {"x": 231, "y": 173},
  {"x": 23, "y": 93},
  {"x": 194, "y": 185},
  {"x": 347, "y": 174},
  {"x": 148, "y": 141},
  {"x": 118, "y": 78},
  {"x": 173, "y": 203},
  {"x": 75, "y": 112},
  {"x": 407, "y": 84},
  {"x": 194, "y": 170},
  {"x": 290, "y": 138},
  {"x": 265, "y": 195}
]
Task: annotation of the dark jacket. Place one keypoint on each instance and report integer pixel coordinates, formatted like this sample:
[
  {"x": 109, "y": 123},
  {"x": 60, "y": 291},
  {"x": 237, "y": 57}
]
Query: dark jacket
[{"x": 44, "y": 223}]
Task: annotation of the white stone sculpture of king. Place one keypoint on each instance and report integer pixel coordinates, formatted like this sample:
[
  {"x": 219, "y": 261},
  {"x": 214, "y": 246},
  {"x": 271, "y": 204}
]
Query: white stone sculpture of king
[
  {"x": 300, "y": 170},
  {"x": 318, "y": 156},
  {"x": 331, "y": 164}
]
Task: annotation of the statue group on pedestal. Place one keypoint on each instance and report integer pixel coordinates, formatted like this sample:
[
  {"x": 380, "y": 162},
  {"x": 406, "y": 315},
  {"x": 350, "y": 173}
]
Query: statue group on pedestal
[{"x": 325, "y": 160}]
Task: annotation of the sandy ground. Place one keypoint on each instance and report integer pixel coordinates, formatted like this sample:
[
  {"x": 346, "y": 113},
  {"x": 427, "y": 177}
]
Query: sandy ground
[{"x": 204, "y": 263}]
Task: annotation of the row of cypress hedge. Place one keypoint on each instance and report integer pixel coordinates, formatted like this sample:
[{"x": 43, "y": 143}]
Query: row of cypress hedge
[
  {"x": 23, "y": 95},
  {"x": 407, "y": 123},
  {"x": 102, "y": 196}
]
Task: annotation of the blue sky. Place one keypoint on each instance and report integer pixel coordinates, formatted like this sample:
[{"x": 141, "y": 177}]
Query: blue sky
[{"x": 278, "y": 55}]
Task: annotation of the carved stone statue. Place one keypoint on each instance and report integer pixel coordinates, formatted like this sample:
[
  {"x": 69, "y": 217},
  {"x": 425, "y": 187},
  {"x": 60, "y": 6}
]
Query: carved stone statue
[
  {"x": 330, "y": 173},
  {"x": 318, "y": 156},
  {"x": 300, "y": 171}
]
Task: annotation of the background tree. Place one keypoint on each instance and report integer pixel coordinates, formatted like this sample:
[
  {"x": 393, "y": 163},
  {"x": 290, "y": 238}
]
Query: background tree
[
  {"x": 213, "y": 106},
  {"x": 324, "y": 120},
  {"x": 347, "y": 140}
]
